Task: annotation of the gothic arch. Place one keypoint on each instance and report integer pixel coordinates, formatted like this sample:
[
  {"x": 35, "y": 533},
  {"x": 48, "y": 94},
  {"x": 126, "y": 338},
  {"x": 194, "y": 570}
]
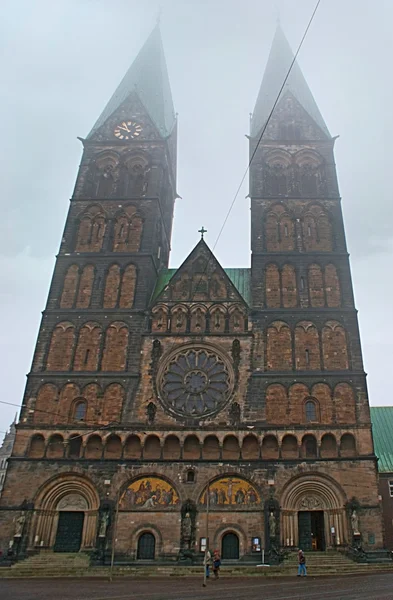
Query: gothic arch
[
  {"x": 179, "y": 318},
  {"x": 279, "y": 347},
  {"x": 128, "y": 286},
  {"x": 112, "y": 286},
  {"x": 278, "y": 156},
  {"x": 133, "y": 174},
  {"x": 70, "y": 285},
  {"x": 218, "y": 314},
  {"x": 276, "y": 404},
  {"x": 160, "y": 318},
  {"x": 198, "y": 314},
  {"x": 88, "y": 347},
  {"x": 288, "y": 286},
  {"x": 133, "y": 447},
  {"x": 61, "y": 347},
  {"x": 116, "y": 346},
  {"x": 307, "y": 346},
  {"x": 36, "y": 446},
  {"x": 85, "y": 287},
  {"x": 237, "y": 318},
  {"x": 332, "y": 286},
  {"x": 279, "y": 229},
  {"x": 73, "y": 492},
  {"x": 308, "y": 156},
  {"x": 272, "y": 286},
  {"x": 326, "y": 490},
  {"x": 315, "y": 285},
  {"x": 334, "y": 346},
  {"x": 128, "y": 229},
  {"x": 149, "y": 482},
  {"x": 146, "y": 528},
  {"x": 238, "y": 490},
  {"x": 308, "y": 492},
  {"x": 91, "y": 229},
  {"x": 317, "y": 228},
  {"x": 46, "y": 403}
]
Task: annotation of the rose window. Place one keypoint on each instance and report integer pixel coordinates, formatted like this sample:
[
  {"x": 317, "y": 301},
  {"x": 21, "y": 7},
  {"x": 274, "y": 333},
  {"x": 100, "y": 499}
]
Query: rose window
[{"x": 195, "y": 382}]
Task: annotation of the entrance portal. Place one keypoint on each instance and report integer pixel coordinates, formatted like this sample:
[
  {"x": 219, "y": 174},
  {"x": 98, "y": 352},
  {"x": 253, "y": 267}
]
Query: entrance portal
[
  {"x": 311, "y": 530},
  {"x": 230, "y": 546},
  {"x": 146, "y": 546},
  {"x": 69, "y": 531}
]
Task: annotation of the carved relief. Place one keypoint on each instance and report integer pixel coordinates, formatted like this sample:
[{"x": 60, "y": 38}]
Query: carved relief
[
  {"x": 311, "y": 503},
  {"x": 72, "y": 502}
]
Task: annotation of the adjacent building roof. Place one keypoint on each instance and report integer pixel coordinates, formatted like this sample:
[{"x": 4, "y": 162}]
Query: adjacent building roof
[
  {"x": 148, "y": 77},
  {"x": 241, "y": 279},
  {"x": 278, "y": 64},
  {"x": 382, "y": 420}
]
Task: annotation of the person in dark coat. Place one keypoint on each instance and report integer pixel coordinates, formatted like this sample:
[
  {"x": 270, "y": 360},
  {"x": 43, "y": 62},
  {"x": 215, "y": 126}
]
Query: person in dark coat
[
  {"x": 302, "y": 571},
  {"x": 216, "y": 564}
]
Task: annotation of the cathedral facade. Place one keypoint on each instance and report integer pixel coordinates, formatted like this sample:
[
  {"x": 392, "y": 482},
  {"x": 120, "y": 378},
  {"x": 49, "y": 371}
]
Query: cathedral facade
[{"x": 168, "y": 407}]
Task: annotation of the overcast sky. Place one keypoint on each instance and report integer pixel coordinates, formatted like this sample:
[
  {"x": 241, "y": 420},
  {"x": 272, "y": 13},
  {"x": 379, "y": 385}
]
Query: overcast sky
[{"x": 61, "y": 61}]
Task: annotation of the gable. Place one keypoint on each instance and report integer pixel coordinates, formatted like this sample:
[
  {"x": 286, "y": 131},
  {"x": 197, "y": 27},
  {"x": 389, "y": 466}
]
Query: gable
[
  {"x": 131, "y": 110},
  {"x": 291, "y": 122},
  {"x": 202, "y": 279}
]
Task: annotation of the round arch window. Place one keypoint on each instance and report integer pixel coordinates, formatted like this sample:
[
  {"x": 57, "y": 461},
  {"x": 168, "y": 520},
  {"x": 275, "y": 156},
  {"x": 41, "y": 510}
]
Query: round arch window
[{"x": 195, "y": 381}]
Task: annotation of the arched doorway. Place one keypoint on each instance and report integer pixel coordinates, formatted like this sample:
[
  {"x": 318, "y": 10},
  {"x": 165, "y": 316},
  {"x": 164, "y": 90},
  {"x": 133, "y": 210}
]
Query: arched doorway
[
  {"x": 230, "y": 546},
  {"x": 313, "y": 513},
  {"x": 146, "y": 546},
  {"x": 67, "y": 514},
  {"x": 69, "y": 531}
]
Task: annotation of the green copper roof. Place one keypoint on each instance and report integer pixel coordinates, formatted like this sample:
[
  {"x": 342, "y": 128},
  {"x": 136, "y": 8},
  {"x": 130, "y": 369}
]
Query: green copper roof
[
  {"x": 241, "y": 279},
  {"x": 279, "y": 61},
  {"x": 148, "y": 77},
  {"x": 382, "y": 420}
]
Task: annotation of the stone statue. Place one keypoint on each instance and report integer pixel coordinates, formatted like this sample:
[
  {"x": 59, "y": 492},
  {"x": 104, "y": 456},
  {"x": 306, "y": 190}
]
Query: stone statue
[
  {"x": 186, "y": 530},
  {"x": 272, "y": 525},
  {"x": 19, "y": 524},
  {"x": 103, "y": 525},
  {"x": 355, "y": 522}
]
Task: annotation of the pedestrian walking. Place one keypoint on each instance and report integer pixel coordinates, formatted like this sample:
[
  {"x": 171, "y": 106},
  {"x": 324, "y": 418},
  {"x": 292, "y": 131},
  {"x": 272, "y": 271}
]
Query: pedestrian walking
[
  {"x": 207, "y": 561},
  {"x": 302, "y": 571},
  {"x": 216, "y": 564}
]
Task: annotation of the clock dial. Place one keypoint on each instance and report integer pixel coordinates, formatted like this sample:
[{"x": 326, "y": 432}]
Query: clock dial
[{"x": 127, "y": 130}]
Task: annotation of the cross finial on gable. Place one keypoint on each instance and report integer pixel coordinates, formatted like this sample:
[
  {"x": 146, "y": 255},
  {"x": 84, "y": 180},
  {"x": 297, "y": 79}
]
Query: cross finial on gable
[{"x": 202, "y": 231}]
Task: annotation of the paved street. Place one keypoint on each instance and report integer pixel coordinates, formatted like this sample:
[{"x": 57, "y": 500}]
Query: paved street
[{"x": 371, "y": 587}]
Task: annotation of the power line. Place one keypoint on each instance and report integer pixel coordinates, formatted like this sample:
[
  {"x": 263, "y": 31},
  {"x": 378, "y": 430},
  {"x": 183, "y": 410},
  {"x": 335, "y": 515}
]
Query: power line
[
  {"x": 267, "y": 122},
  {"x": 252, "y": 157},
  {"x": 230, "y": 207}
]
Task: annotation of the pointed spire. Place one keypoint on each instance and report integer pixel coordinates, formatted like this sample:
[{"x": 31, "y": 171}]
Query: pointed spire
[
  {"x": 148, "y": 78},
  {"x": 279, "y": 61}
]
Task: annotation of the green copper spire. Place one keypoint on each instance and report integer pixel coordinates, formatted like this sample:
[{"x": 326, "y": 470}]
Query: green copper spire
[
  {"x": 280, "y": 59},
  {"x": 148, "y": 78}
]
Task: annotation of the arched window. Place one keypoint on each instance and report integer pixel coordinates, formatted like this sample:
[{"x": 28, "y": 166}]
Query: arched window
[
  {"x": 190, "y": 476},
  {"x": 80, "y": 410},
  {"x": 311, "y": 411}
]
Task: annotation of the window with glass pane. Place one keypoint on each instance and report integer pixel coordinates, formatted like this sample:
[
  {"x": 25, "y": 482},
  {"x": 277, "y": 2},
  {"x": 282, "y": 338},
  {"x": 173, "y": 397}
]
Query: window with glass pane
[
  {"x": 311, "y": 411},
  {"x": 80, "y": 411},
  {"x": 391, "y": 488}
]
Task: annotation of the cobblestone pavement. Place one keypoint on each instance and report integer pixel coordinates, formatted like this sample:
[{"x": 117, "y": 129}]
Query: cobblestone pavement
[{"x": 370, "y": 587}]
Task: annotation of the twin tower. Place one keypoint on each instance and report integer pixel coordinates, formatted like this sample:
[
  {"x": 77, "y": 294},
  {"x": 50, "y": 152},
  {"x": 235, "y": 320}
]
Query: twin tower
[{"x": 155, "y": 393}]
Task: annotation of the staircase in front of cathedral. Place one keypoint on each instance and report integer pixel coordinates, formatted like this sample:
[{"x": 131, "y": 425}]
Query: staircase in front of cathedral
[{"x": 50, "y": 564}]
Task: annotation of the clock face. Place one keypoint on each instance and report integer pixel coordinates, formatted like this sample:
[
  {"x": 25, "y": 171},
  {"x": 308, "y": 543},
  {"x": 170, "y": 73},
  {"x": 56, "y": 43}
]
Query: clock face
[{"x": 127, "y": 130}]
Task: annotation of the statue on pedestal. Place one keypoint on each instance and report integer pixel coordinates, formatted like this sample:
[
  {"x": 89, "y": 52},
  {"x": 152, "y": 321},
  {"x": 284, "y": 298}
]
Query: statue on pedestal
[
  {"x": 355, "y": 523},
  {"x": 19, "y": 525},
  {"x": 272, "y": 525},
  {"x": 186, "y": 531},
  {"x": 103, "y": 525}
]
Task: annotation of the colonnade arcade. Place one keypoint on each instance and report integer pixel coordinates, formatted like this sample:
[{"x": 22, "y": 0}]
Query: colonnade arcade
[{"x": 309, "y": 511}]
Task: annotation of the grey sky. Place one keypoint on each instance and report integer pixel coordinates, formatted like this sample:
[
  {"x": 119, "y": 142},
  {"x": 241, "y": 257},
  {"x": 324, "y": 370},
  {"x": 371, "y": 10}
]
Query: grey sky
[{"x": 60, "y": 63}]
